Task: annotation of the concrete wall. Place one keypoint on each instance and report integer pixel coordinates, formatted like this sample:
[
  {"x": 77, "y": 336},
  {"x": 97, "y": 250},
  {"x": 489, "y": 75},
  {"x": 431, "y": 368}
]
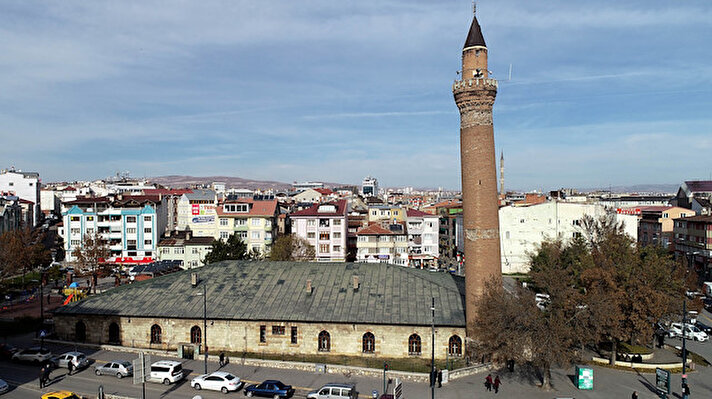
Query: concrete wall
[{"x": 239, "y": 336}]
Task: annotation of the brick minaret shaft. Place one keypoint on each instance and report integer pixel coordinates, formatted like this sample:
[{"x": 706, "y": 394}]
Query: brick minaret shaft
[{"x": 474, "y": 96}]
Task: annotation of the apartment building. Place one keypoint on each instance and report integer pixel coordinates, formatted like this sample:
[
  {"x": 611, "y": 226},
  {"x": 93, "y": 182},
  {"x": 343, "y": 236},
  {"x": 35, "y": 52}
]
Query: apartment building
[
  {"x": 324, "y": 226},
  {"x": 255, "y": 221},
  {"x": 130, "y": 224},
  {"x": 693, "y": 242},
  {"x": 184, "y": 247},
  {"x": 197, "y": 212},
  {"x": 656, "y": 224},
  {"x": 376, "y": 244},
  {"x": 26, "y": 186},
  {"x": 423, "y": 239}
]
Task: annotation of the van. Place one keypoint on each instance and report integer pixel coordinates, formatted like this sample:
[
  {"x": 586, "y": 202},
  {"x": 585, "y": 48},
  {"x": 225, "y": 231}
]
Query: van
[
  {"x": 166, "y": 372},
  {"x": 334, "y": 391}
]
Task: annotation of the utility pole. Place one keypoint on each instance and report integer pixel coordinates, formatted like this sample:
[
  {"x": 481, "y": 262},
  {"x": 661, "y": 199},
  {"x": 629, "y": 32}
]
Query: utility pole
[
  {"x": 205, "y": 326},
  {"x": 432, "y": 353}
]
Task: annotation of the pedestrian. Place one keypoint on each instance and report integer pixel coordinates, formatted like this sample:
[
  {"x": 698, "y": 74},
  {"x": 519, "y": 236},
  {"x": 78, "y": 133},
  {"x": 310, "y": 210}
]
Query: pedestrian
[
  {"x": 685, "y": 391},
  {"x": 48, "y": 297},
  {"x": 222, "y": 359},
  {"x": 497, "y": 383},
  {"x": 488, "y": 382},
  {"x": 70, "y": 367},
  {"x": 47, "y": 371},
  {"x": 42, "y": 377},
  {"x": 440, "y": 378},
  {"x": 635, "y": 395}
]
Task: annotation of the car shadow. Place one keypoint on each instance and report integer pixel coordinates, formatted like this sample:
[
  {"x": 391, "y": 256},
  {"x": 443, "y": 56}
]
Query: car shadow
[{"x": 178, "y": 384}]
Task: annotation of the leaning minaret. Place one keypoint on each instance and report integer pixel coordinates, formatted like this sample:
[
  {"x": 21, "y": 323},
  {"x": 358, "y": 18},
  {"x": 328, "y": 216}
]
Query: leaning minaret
[{"x": 474, "y": 95}]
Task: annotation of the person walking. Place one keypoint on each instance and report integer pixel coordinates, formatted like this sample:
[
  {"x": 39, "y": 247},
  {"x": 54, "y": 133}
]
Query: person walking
[
  {"x": 685, "y": 391},
  {"x": 635, "y": 395},
  {"x": 222, "y": 359},
  {"x": 440, "y": 378},
  {"x": 496, "y": 384},
  {"x": 70, "y": 367},
  {"x": 42, "y": 377},
  {"x": 488, "y": 382},
  {"x": 47, "y": 371}
]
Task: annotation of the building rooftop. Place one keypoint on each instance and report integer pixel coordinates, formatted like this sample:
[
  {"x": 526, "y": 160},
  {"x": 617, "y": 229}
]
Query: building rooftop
[
  {"x": 313, "y": 210},
  {"x": 249, "y": 290},
  {"x": 257, "y": 207}
]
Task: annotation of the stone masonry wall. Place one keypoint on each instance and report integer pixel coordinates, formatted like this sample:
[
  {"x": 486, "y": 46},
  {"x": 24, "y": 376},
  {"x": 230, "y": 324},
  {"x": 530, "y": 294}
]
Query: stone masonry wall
[{"x": 238, "y": 336}]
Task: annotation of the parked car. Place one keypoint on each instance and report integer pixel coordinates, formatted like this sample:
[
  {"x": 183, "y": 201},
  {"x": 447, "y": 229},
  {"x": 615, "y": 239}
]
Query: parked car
[
  {"x": 60, "y": 395},
  {"x": 35, "y": 355},
  {"x": 7, "y": 350},
  {"x": 270, "y": 388},
  {"x": 692, "y": 316},
  {"x": 166, "y": 371},
  {"x": 690, "y": 331},
  {"x": 707, "y": 303},
  {"x": 704, "y": 327},
  {"x": 119, "y": 368},
  {"x": 333, "y": 391},
  {"x": 4, "y": 387},
  {"x": 217, "y": 381},
  {"x": 78, "y": 359}
]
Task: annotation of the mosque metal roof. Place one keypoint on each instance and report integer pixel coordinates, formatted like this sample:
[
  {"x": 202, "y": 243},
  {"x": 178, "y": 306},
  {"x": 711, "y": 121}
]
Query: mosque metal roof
[{"x": 277, "y": 291}]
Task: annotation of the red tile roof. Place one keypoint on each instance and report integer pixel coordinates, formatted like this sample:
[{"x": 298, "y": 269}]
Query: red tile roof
[
  {"x": 374, "y": 230},
  {"x": 258, "y": 207},
  {"x": 323, "y": 191},
  {"x": 313, "y": 210},
  {"x": 416, "y": 213}
]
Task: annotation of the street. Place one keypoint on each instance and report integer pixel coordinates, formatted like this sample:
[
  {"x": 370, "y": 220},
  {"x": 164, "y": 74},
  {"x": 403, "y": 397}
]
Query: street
[{"x": 608, "y": 383}]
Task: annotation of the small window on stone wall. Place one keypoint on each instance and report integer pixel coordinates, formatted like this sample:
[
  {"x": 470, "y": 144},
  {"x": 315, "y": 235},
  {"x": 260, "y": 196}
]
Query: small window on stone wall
[
  {"x": 263, "y": 334},
  {"x": 324, "y": 341},
  {"x": 369, "y": 343},
  {"x": 414, "y": 345},
  {"x": 454, "y": 346},
  {"x": 155, "y": 334}
]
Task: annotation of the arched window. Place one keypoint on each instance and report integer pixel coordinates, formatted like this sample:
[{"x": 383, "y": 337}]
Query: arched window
[
  {"x": 155, "y": 334},
  {"x": 114, "y": 336},
  {"x": 414, "y": 344},
  {"x": 369, "y": 343},
  {"x": 80, "y": 331},
  {"x": 195, "y": 335},
  {"x": 324, "y": 341},
  {"x": 454, "y": 346}
]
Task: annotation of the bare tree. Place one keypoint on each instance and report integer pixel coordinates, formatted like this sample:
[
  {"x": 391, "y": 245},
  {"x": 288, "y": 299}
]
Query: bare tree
[
  {"x": 89, "y": 255},
  {"x": 292, "y": 248},
  {"x": 21, "y": 251}
]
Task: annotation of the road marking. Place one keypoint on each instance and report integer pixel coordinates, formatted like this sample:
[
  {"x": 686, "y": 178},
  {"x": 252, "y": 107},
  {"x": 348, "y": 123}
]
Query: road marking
[{"x": 707, "y": 318}]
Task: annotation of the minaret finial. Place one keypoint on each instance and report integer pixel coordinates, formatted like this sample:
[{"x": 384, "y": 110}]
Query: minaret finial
[{"x": 474, "y": 7}]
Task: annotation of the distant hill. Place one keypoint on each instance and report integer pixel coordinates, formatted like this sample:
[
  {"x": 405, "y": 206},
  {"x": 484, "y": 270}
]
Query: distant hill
[{"x": 176, "y": 181}]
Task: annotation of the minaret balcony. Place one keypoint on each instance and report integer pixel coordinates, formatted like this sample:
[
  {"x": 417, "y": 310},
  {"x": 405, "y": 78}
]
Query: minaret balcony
[{"x": 476, "y": 82}]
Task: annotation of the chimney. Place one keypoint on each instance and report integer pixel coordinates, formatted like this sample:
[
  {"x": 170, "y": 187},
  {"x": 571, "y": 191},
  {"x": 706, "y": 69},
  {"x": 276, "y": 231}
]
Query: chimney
[
  {"x": 194, "y": 279},
  {"x": 309, "y": 287},
  {"x": 355, "y": 283}
]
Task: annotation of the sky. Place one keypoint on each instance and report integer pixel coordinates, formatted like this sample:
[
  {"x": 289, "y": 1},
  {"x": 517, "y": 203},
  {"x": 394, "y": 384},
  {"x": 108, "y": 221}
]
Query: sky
[{"x": 601, "y": 93}]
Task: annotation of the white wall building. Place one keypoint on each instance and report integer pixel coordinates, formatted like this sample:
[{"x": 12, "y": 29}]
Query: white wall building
[
  {"x": 324, "y": 227},
  {"x": 369, "y": 187},
  {"x": 423, "y": 238},
  {"x": 523, "y": 228},
  {"x": 25, "y": 185}
]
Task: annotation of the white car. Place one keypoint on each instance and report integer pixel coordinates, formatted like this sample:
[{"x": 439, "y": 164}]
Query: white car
[
  {"x": 691, "y": 332},
  {"x": 217, "y": 381},
  {"x": 4, "y": 387},
  {"x": 35, "y": 355},
  {"x": 78, "y": 359}
]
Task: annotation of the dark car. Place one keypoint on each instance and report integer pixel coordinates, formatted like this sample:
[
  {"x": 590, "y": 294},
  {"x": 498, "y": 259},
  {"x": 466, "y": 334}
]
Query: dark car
[
  {"x": 7, "y": 350},
  {"x": 704, "y": 327},
  {"x": 270, "y": 388}
]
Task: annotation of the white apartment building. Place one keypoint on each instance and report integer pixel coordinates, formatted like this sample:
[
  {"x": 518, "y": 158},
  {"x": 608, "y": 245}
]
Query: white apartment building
[
  {"x": 369, "y": 186},
  {"x": 324, "y": 227},
  {"x": 182, "y": 246},
  {"x": 130, "y": 225},
  {"x": 423, "y": 238},
  {"x": 25, "y": 185},
  {"x": 376, "y": 244},
  {"x": 197, "y": 212},
  {"x": 523, "y": 228}
]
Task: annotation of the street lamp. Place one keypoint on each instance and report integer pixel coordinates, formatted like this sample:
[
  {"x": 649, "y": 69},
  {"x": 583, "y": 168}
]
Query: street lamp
[
  {"x": 432, "y": 353},
  {"x": 684, "y": 321}
]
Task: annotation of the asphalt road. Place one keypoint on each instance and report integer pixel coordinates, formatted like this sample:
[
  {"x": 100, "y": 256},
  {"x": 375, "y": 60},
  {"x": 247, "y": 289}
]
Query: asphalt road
[{"x": 608, "y": 383}]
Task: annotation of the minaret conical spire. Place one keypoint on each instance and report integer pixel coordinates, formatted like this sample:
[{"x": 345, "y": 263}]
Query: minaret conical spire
[{"x": 474, "y": 37}]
